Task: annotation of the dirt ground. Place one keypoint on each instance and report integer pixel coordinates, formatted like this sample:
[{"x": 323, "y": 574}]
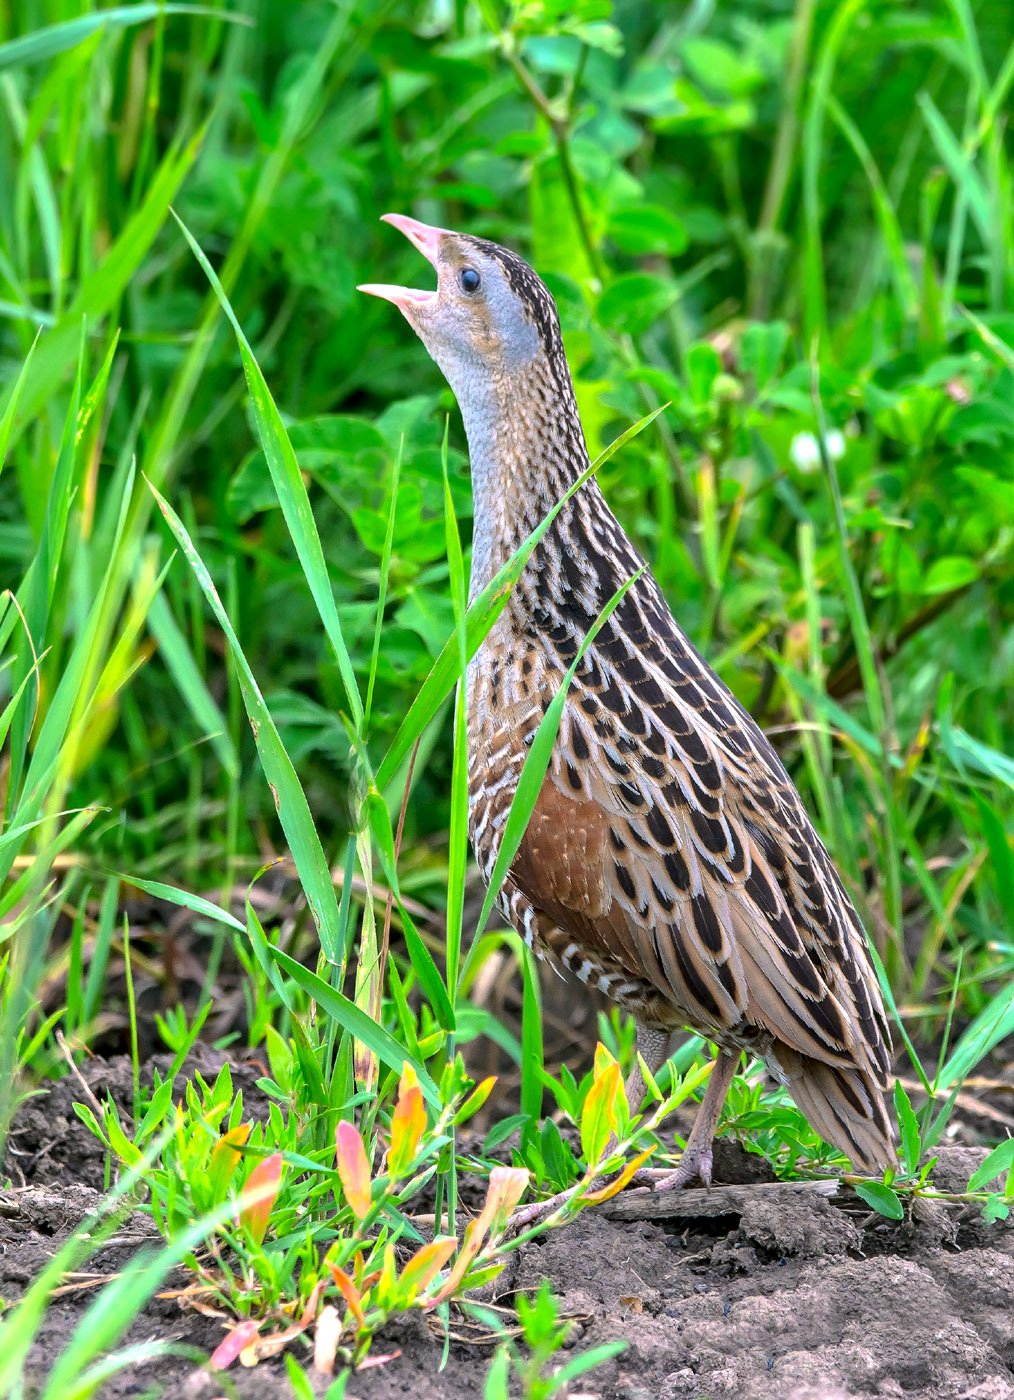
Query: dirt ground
[{"x": 785, "y": 1294}]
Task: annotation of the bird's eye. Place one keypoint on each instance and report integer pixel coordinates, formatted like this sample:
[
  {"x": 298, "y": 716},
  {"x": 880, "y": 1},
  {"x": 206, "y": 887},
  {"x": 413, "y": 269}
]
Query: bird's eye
[{"x": 469, "y": 279}]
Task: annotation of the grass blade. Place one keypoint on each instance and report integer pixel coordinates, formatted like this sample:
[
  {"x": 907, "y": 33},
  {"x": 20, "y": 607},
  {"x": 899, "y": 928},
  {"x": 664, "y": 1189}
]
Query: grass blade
[
  {"x": 182, "y": 666},
  {"x": 53, "y": 39},
  {"x": 290, "y": 800},
  {"x": 537, "y": 763},
  {"x": 484, "y": 610},
  {"x": 353, "y": 1019},
  {"x": 292, "y": 494}
]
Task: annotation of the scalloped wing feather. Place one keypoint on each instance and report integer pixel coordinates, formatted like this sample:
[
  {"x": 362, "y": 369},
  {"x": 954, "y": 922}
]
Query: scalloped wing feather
[
  {"x": 669, "y": 853},
  {"x": 669, "y": 840}
]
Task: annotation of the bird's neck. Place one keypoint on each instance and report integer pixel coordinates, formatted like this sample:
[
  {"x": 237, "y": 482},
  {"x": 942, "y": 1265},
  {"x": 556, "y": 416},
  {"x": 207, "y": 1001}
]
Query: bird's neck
[{"x": 526, "y": 448}]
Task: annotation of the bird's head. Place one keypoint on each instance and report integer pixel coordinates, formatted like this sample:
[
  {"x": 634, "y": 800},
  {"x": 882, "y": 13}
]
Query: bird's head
[{"x": 490, "y": 317}]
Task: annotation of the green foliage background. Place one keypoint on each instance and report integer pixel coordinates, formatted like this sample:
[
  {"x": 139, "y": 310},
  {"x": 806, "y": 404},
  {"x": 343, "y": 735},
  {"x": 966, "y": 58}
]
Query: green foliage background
[{"x": 788, "y": 220}]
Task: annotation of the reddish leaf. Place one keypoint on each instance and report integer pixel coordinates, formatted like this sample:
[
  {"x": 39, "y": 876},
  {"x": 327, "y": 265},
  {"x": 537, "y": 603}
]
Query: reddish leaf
[
  {"x": 506, "y": 1187},
  {"x": 353, "y": 1169},
  {"x": 370, "y": 1362},
  {"x": 260, "y": 1194},
  {"x": 232, "y": 1344}
]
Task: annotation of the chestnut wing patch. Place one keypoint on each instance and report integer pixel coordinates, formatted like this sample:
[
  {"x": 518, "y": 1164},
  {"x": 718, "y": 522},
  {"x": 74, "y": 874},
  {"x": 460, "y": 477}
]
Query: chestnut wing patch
[{"x": 669, "y": 836}]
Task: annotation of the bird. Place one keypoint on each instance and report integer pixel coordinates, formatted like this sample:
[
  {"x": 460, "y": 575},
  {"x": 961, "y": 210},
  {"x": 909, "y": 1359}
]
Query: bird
[{"x": 669, "y": 860}]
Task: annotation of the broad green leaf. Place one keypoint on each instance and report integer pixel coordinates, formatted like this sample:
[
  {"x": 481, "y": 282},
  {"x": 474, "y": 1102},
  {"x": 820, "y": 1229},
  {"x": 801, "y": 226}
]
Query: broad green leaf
[
  {"x": 719, "y": 67},
  {"x": 761, "y": 351},
  {"x": 995, "y": 1163},
  {"x": 883, "y": 1200},
  {"x": 949, "y": 572},
  {"x": 648, "y": 228},
  {"x": 909, "y": 1125},
  {"x": 632, "y": 302}
]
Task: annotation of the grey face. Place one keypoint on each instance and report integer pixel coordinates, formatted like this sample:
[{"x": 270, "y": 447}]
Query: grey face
[
  {"x": 489, "y": 317},
  {"x": 476, "y": 324}
]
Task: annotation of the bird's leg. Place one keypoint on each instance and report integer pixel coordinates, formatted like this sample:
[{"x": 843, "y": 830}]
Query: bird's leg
[
  {"x": 695, "y": 1164},
  {"x": 654, "y": 1047}
]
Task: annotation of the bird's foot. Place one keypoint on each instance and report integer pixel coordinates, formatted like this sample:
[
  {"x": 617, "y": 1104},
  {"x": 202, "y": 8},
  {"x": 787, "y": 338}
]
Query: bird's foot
[
  {"x": 535, "y": 1213},
  {"x": 695, "y": 1165},
  {"x": 538, "y": 1211}
]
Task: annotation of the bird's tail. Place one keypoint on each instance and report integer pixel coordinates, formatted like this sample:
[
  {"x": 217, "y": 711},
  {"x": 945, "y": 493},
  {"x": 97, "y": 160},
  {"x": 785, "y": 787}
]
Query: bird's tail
[{"x": 845, "y": 1105}]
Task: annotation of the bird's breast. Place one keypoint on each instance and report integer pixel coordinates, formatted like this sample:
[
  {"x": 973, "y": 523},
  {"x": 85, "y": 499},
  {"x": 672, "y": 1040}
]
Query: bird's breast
[{"x": 510, "y": 687}]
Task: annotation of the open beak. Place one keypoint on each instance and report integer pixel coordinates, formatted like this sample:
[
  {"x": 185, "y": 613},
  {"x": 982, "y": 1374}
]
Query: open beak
[{"x": 427, "y": 239}]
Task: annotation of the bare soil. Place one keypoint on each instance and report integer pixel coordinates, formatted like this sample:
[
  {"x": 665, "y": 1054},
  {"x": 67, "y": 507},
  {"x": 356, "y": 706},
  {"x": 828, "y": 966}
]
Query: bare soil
[{"x": 786, "y": 1295}]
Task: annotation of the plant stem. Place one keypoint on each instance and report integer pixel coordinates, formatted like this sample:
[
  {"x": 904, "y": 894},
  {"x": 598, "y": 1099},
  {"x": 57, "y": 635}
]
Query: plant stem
[{"x": 780, "y": 169}]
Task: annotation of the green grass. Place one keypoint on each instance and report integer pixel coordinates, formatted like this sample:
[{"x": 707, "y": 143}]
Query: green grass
[{"x": 236, "y": 513}]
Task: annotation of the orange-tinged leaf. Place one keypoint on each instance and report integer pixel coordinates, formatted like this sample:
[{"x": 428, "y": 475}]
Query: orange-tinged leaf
[
  {"x": 599, "y": 1114},
  {"x": 423, "y": 1267},
  {"x": 259, "y": 1195},
  {"x": 606, "y": 1192},
  {"x": 506, "y": 1187},
  {"x": 408, "y": 1123},
  {"x": 350, "y": 1293},
  {"x": 224, "y": 1156},
  {"x": 353, "y": 1169},
  {"x": 475, "y": 1233},
  {"x": 232, "y": 1344}
]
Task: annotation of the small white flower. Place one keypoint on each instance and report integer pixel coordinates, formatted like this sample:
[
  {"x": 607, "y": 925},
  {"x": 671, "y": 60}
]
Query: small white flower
[{"x": 804, "y": 451}]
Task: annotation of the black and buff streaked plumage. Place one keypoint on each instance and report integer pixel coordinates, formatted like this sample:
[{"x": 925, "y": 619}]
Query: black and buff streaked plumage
[{"x": 669, "y": 861}]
